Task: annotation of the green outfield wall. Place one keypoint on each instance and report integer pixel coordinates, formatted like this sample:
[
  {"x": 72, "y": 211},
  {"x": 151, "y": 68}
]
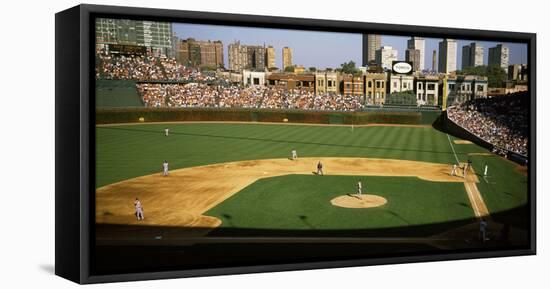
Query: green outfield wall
[{"x": 131, "y": 115}]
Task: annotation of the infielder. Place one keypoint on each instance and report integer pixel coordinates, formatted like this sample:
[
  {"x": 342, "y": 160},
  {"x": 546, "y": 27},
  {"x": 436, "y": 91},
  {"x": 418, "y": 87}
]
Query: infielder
[
  {"x": 467, "y": 167},
  {"x": 139, "y": 210},
  {"x": 319, "y": 168},
  {"x": 294, "y": 154},
  {"x": 453, "y": 171},
  {"x": 166, "y": 131},
  {"x": 165, "y": 168},
  {"x": 359, "y": 188},
  {"x": 485, "y": 172}
]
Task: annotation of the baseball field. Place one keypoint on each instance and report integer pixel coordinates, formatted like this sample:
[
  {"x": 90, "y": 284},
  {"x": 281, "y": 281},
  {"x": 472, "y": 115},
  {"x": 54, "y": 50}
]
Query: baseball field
[{"x": 238, "y": 179}]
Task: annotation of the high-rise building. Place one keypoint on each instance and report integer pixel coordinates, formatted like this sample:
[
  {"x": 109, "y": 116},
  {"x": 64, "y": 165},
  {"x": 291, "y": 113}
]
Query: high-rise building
[
  {"x": 237, "y": 56},
  {"x": 287, "y": 57},
  {"x": 499, "y": 55},
  {"x": 472, "y": 55},
  {"x": 156, "y": 36},
  {"x": 371, "y": 43},
  {"x": 270, "y": 57},
  {"x": 413, "y": 55},
  {"x": 385, "y": 56},
  {"x": 255, "y": 57},
  {"x": 201, "y": 53},
  {"x": 447, "y": 56},
  {"x": 434, "y": 60},
  {"x": 251, "y": 57},
  {"x": 419, "y": 44},
  {"x": 175, "y": 47},
  {"x": 518, "y": 72}
]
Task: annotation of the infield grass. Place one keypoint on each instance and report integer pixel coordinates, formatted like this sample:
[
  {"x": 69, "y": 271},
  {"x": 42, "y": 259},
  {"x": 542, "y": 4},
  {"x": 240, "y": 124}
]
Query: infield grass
[{"x": 302, "y": 202}]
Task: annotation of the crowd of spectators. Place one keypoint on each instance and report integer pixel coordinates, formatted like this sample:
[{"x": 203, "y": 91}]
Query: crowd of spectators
[
  {"x": 128, "y": 67},
  {"x": 501, "y": 121},
  {"x": 146, "y": 68},
  {"x": 233, "y": 96}
]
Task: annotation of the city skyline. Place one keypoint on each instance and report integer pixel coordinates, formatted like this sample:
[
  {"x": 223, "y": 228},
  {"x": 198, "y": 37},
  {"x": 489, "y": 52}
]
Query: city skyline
[{"x": 317, "y": 49}]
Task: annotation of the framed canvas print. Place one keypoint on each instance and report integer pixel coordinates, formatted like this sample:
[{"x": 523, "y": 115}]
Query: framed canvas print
[{"x": 194, "y": 144}]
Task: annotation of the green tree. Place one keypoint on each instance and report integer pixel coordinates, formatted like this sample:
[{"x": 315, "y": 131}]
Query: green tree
[
  {"x": 349, "y": 68},
  {"x": 290, "y": 68},
  {"x": 312, "y": 69},
  {"x": 495, "y": 74},
  {"x": 401, "y": 98},
  {"x": 328, "y": 69}
]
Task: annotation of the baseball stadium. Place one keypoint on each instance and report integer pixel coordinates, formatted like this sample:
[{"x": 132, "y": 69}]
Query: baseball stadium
[{"x": 225, "y": 172}]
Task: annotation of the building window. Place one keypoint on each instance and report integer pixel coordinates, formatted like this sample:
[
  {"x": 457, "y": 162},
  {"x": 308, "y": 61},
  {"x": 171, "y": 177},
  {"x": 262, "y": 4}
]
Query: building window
[
  {"x": 431, "y": 86},
  {"x": 378, "y": 84},
  {"x": 419, "y": 85}
]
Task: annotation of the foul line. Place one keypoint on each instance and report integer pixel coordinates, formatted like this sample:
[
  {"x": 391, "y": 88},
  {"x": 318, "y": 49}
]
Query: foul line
[{"x": 453, "y": 148}]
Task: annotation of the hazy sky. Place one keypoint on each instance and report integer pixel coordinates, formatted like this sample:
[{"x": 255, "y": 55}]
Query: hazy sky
[{"x": 323, "y": 49}]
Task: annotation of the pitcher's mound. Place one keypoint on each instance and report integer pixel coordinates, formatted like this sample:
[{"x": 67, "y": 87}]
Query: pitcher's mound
[{"x": 358, "y": 201}]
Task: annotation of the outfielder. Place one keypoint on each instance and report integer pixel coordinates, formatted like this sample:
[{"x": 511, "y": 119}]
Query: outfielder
[
  {"x": 165, "y": 168},
  {"x": 319, "y": 168},
  {"x": 294, "y": 154},
  {"x": 166, "y": 131},
  {"x": 485, "y": 172},
  {"x": 139, "y": 210}
]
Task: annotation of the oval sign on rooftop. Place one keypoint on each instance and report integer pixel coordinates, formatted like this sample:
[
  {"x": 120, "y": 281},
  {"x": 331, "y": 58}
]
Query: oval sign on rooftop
[{"x": 402, "y": 67}]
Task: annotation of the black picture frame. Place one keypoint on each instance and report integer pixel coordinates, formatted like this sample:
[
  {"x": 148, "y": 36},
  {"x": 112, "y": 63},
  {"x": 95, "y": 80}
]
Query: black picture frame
[{"x": 75, "y": 134}]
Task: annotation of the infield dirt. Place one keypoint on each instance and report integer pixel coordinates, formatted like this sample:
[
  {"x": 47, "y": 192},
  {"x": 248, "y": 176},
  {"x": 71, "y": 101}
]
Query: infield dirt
[{"x": 181, "y": 198}]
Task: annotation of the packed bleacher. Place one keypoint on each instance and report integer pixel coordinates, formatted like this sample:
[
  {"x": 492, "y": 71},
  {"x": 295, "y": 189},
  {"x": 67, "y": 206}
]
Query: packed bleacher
[
  {"x": 162, "y": 82},
  {"x": 203, "y": 95},
  {"x": 502, "y": 121},
  {"x": 145, "y": 68}
]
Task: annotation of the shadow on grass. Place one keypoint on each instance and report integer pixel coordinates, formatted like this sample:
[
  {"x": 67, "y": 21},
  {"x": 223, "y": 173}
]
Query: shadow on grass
[{"x": 235, "y": 249}]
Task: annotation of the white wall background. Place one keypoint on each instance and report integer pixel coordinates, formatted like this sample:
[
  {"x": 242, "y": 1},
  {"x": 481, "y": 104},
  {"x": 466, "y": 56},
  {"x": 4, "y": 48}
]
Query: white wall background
[{"x": 27, "y": 144}]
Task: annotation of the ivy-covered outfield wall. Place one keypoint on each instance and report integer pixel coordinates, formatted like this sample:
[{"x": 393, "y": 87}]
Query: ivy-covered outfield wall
[{"x": 130, "y": 115}]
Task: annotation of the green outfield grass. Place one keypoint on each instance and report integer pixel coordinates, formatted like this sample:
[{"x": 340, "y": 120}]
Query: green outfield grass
[
  {"x": 129, "y": 151},
  {"x": 302, "y": 202}
]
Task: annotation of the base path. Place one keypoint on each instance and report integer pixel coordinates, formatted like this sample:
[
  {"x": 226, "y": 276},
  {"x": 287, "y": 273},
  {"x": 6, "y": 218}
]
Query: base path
[{"x": 476, "y": 200}]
